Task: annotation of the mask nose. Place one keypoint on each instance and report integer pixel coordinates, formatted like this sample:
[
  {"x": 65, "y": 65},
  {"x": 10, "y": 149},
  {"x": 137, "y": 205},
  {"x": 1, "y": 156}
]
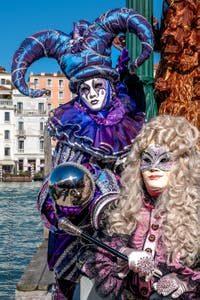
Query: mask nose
[
  {"x": 153, "y": 167},
  {"x": 92, "y": 93},
  {"x": 92, "y": 96}
]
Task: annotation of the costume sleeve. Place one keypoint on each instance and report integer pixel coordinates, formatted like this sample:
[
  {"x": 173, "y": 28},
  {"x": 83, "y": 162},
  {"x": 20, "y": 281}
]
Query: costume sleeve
[
  {"x": 100, "y": 265},
  {"x": 46, "y": 208}
]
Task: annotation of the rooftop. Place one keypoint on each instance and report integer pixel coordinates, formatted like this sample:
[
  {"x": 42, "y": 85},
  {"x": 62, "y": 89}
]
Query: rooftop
[{"x": 55, "y": 74}]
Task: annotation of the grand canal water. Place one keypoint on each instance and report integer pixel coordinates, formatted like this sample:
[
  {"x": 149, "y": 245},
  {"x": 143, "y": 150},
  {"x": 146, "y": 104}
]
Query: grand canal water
[{"x": 21, "y": 232}]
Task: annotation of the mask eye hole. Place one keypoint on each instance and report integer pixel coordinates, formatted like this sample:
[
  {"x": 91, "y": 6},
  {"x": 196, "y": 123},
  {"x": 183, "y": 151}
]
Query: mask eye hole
[
  {"x": 84, "y": 90},
  {"x": 98, "y": 86},
  {"x": 164, "y": 160},
  {"x": 146, "y": 160}
]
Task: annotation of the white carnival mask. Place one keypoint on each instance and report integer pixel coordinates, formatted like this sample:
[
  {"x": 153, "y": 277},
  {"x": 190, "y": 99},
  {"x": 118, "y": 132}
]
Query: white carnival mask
[
  {"x": 156, "y": 166},
  {"x": 95, "y": 93}
]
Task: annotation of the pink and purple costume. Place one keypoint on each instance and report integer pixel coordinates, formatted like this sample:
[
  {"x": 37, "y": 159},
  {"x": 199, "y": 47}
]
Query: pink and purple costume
[{"x": 103, "y": 267}]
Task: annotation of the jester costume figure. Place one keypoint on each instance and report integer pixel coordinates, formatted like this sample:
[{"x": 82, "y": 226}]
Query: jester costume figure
[{"x": 95, "y": 129}]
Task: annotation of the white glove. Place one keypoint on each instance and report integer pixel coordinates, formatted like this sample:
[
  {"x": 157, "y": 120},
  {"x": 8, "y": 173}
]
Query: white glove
[
  {"x": 140, "y": 262},
  {"x": 171, "y": 284}
]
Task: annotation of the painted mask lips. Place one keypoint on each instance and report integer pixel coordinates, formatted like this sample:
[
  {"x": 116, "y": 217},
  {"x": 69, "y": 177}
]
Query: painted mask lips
[{"x": 94, "y": 102}]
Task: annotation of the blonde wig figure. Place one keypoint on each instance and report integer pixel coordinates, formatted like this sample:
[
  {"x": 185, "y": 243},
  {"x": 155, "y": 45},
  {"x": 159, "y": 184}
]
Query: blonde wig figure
[{"x": 179, "y": 203}]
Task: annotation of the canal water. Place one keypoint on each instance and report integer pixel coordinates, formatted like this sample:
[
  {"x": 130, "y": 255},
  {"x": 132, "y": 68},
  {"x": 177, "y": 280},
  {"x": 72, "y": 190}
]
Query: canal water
[{"x": 21, "y": 232}]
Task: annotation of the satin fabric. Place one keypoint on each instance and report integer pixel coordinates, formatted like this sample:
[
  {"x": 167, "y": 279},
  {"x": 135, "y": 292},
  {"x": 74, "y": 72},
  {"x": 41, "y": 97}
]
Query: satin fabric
[{"x": 106, "y": 136}]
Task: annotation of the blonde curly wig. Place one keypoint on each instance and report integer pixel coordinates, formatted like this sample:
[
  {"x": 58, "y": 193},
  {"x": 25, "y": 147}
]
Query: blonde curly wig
[{"x": 180, "y": 202}]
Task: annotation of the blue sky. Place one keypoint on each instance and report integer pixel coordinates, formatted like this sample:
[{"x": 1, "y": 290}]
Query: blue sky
[{"x": 20, "y": 18}]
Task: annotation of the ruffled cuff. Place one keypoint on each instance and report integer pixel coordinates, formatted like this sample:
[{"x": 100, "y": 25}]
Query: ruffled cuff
[{"x": 102, "y": 266}]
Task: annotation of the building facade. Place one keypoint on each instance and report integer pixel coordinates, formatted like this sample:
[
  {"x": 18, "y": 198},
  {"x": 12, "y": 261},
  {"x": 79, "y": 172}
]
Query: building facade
[
  {"x": 56, "y": 84},
  {"x": 22, "y": 123},
  {"x": 23, "y": 120},
  {"x": 7, "y": 123},
  {"x": 7, "y": 133},
  {"x": 30, "y": 116}
]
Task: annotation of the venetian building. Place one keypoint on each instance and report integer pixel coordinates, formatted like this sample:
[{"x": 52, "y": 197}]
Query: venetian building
[
  {"x": 58, "y": 93},
  {"x": 30, "y": 115},
  {"x": 57, "y": 85},
  {"x": 7, "y": 123}
]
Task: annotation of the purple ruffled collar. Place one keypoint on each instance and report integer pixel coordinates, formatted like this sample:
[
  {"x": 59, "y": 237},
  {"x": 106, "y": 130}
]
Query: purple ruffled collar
[
  {"x": 106, "y": 137},
  {"x": 113, "y": 117}
]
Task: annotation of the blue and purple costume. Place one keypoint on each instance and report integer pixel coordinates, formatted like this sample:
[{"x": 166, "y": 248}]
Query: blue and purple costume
[
  {"x": 96, "y": 140},
  {"x": 97, "y": 143}
]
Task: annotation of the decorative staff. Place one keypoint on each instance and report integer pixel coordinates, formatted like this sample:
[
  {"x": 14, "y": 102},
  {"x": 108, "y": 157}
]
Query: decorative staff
[{"x": 67, "y": 226}]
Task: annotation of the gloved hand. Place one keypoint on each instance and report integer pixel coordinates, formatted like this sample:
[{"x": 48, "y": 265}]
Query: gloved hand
[
  {"x": 170, "y": 284},
  {"x": 140, "y": 262}
]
